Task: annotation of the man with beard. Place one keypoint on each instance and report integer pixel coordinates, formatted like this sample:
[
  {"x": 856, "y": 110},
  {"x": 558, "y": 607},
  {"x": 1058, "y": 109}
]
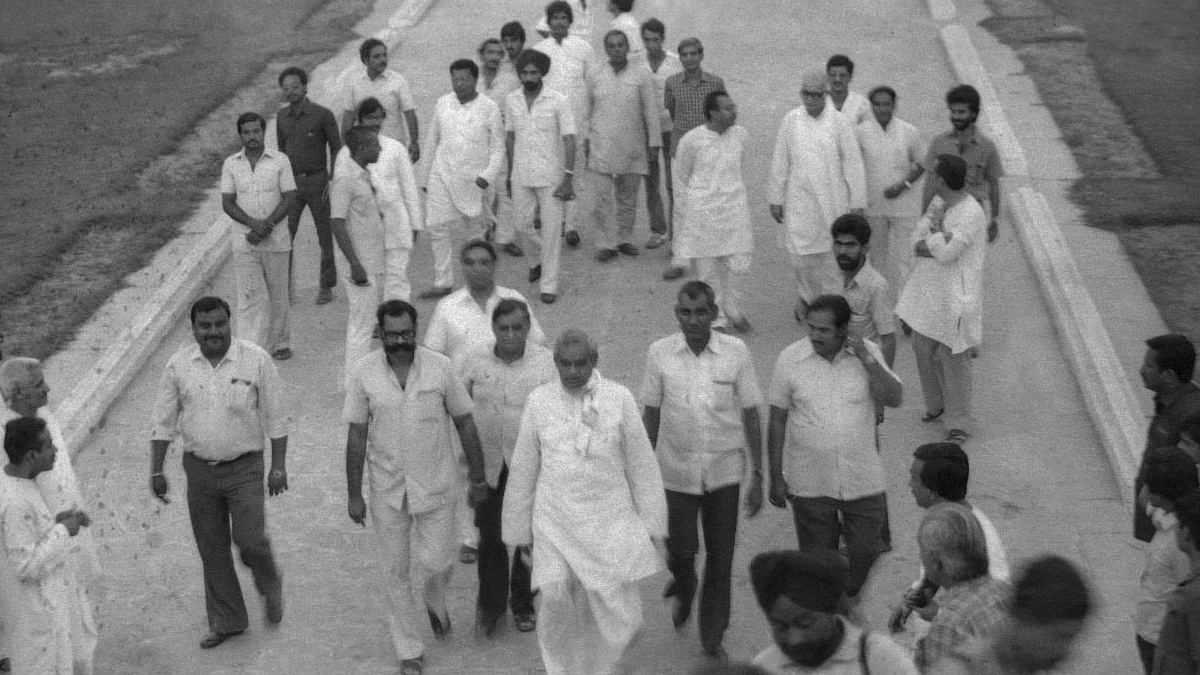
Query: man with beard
[
  {"x": 978, "y": 151},
  {"x": 821, "y": 437},
  {"x": 220, "y": 399},
  {"x": 816, "y": 176},
  {"x": 499, "y": 375},
  {"x": 863, "y": 287},
  {"x": 701, "y": 401},
  {"x": 257, "y": 192},
  {"x": 303, "y": 131},
  {"x": 803, "y": 595},
  {"x": 404, "y": 404},
  {"x": 541, "y": 152}
]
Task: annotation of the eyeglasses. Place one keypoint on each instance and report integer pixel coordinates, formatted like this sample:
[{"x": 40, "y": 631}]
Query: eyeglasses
[{"x": 393, "y": 336}]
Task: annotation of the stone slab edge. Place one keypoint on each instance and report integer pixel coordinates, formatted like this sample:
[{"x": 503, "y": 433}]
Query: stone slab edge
[
  {"x": 82, "y": 410},
  {"x": 1108, "y": 394}
]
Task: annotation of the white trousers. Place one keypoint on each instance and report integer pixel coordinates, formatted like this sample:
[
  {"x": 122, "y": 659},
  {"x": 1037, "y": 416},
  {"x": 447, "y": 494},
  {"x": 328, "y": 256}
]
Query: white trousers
[
  {"x": 545, "y": 246},
  {"x": 263, "y": 297},
  {"x": 727, "y": 275},
  {"x": 395, "y": 274},
  {"x": 448, "y": 229},
  {"x": 584, "y": 631},
  {"x": 362, "y": 302},
  {"x": 403, "y": 538}
]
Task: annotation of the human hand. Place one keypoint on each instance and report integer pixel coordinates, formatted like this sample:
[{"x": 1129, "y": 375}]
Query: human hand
[
  {"x": 779, "y": 492},
  {"x": 414, "y": 152},
  {"x": 899, "y": 617},
  {"x": 481, "y": 183},
  {"x": 253, "y": 237},
  {"x": 84, "y": 519},
  {"x": 993, "y": 230},
  {"x": 508, "y": 186},
  {"x": 927, "y": 611},
  {"x": 894, "y": 190},
  {"x": 277, "y": 482},
  {"x": 358, "y": 275},
  {"x": 158, "y": 485},
  {"x": 69, "y": 520},
  {"x": 754, "y": 495},
  {"x": 356, "y": 506},
  {"x": 777, "y": 212},
  {"x": 566, "y": 189}
]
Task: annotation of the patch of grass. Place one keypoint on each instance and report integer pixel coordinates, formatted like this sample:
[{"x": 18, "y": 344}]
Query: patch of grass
[
  {"x": 1120, "y": 98},
  {"x": 96, "y": 96}
]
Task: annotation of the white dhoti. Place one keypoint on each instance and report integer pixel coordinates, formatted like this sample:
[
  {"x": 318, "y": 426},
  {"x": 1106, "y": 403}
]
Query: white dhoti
[{"x": 586, "y": 630}]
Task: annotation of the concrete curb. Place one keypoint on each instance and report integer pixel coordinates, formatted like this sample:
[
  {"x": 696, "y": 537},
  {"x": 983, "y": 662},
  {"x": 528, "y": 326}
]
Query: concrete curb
[{"x": 1108, "y": 395}]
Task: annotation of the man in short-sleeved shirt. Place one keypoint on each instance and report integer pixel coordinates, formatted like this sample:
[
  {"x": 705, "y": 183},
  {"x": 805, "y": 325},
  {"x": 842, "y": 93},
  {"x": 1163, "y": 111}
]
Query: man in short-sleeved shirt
[
  {"x": 863, "y": 287},
  {"x": 821, "y": 436},
  {"x": 978, "y": 151},
  {"x": 257, "y": 192},
  {"x": 701, "y": 401},
  {"x": 404, "y": 404},
  {"x": 390, "y": 87}
]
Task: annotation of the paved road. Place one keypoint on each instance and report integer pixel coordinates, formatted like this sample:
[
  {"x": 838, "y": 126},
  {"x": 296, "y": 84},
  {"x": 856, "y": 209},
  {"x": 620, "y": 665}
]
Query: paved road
[{"x": 1039, "y": 472}]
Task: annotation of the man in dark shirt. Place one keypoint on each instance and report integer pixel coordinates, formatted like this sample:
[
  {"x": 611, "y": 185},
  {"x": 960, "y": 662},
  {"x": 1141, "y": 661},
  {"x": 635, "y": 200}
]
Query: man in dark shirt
[
  {"x": 978, "y": 151},
  {"x": 303, "y": 130},
  {"x": 1167, "y": 371}
]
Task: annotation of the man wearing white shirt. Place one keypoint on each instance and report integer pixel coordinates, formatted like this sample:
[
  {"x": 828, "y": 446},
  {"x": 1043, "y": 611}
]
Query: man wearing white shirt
[
  {"x": 541, "y": 165},
  {"x": 821, "y": 437},
  {"x": 398, "y": 198},
  {"x": 581, "y": 23},
  {"x": 892, "y": 155},
  {"x": 466, "y": 155},
  {"x": 498, "y": 78},
  {"x": 570, "y": 60},
  {"x": 839, "y": 70},
  {"x": 661, "y": 64},
  {"x": 257, "y": 192},
  {"x": 390, "y": 88},
  {"x": 585, "y": 491},
  {"x": 942, "y": 300},
  {"x": 816, "y": 176},
  {"x": 701, "y": 401}
]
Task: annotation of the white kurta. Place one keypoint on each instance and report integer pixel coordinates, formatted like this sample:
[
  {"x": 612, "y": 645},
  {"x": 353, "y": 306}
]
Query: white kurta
[
  {"x": 46, "y": 610},
  {"x": 817, "y": 175},
  {"x": 713, "y": 211},
  {"x": 465, "y": 142},
  {"x": 943, "y": 297},
  {"x": 584, "y": 487}
]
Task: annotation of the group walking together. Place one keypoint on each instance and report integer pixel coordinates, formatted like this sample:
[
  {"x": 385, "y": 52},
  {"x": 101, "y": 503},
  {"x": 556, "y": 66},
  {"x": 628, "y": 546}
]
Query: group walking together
[{"x": 495, "y": 442}]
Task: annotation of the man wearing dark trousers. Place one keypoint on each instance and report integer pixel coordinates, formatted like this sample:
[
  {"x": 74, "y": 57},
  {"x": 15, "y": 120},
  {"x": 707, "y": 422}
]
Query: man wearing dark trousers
[{"x": 222, "y": 399}]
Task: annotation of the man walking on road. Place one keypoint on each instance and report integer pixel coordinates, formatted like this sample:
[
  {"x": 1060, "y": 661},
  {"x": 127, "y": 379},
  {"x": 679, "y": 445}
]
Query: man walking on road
[
  {"x": 585, "y": 491},
  {"x": 221, "y": 399},
  {"x": 892, "y": 156},
  {"x": 978, "y": 151},
  {"x": 622, "y": 133},
  {"x": 839, "y": 70},
  {"x": 1167, "y": 370},
  {"x": 714, "y": 213},
  {"x": 388, "y": 87},
  {"x": 816, "y": 176},
  {"x": 466, "y": 155},
  {"x": 684, "y": 95},
  {"x": 861, "y": 285},
  {"x": 404, "y": 404},
  {"x": 258, "y": 190},
  {"x": 701, "y": 401},
  {"x": 499, "y": 375},
  {"x": 303, "y": 131},
  {"x": 822, "y": 449},
  {"x": 943, "y": 299},
  {"x": 661, "y": 64}
]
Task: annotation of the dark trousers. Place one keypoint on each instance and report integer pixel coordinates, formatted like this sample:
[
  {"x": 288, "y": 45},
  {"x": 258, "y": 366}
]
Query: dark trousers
[
  {"x": 496, "y": 585},
  {"x": 821, "y": 521},
  {"x": 313, "y": 191},
  {"x": 718, "y": 513},
  {"x": 654, "y": 200},
  {"x": 225, "y": 503},
  {"x": 1146, "y": 652}
]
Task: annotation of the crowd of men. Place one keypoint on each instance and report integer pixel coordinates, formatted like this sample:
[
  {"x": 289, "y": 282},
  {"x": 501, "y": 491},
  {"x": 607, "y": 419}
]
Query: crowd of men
[{"x": 493, "y": 443}]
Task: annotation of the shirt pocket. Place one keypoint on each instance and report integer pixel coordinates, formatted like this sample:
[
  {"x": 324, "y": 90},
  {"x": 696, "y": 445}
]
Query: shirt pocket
[
  {"x": 429, "y": 406},
  {"x": 544, "y": 120},
  {"x": 241, "y": 394},
  {"x": 854, "y": 391},
  {"x": 724, "y": 394}
]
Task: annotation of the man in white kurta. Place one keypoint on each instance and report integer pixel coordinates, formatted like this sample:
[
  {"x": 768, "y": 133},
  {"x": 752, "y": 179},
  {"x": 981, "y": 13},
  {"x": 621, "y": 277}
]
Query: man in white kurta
[
  {"x": 47, "y": 615},
  {"x": 892, "y": 153},
  {"x": 466, "y": 156},
  {"x": 397, "y": 197},
  {"x": 816, "y": 176},
  {"x": 942, "y": 300},
  {"x": 585, "y": 490},
  {"x": 714, "y": 213}
]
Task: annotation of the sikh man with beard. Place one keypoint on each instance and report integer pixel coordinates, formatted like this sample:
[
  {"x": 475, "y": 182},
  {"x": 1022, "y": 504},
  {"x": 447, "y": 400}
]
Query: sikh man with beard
[{"x": 401, "y": 404}]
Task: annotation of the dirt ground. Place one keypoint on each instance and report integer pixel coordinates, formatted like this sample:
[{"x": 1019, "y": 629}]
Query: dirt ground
[
  {"x": 1120, "y": 91},
  {"x": 95, "y": 95}
]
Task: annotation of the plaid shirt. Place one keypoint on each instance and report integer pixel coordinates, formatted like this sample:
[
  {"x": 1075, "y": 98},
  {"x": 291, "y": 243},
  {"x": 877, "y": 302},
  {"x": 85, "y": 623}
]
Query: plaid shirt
[
  {"x": 967, "y": 611},
  {"x": 685, "y": 101}
]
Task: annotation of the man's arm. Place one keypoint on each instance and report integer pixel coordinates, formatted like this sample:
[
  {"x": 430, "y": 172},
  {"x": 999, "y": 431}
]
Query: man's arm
[
  {"x": 230, "y": 206},
  {"x": 852, "y": 167},
  {"x": 752, "y": 426},
  {"x": 347, "y": 120},
  {"x": 474, "y": 452},
  {"x": 280, "y": 141},
  {"x": 357, "y": 273},
  {"x": 887, "y": 345},
  {"x": 651, "y": 416},
  {"x": 780, "y": 169},
  {"x": 776, "y": 433},
  {"x": 281, "y": 210},
  {"x": 414, "y": 135},
  {"x": 884, "y": 385},
  {"x": 277, "y": 478},
  {"x": 510, "y": 142},
  {"x": 356, "y": 457},
  {"x": 496, "y": 154},
  {"x": 333, "y": 138}
]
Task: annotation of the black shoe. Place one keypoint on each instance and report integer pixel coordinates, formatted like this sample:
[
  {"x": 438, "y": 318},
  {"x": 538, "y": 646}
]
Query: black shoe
[
  {"x": 672, "y": 273},
  {"x": 512, "y": 249},
  {"x": 606, "y": 254},
  {"x": 628, "y": 249},
  {"x": 487, "y": 623},
  {"x": 548, "y": 298},
  {"x": 572, "y": 238},
  {"x": 535, "y": 273}
]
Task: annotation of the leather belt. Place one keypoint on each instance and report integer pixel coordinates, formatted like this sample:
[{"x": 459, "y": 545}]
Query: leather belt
[
  {"x": 309, "y": 174},
  {"x": 219, "y": 462}
]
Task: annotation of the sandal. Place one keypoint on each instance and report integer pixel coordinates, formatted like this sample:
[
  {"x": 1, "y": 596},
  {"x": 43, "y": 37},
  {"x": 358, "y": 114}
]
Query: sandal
[
  {"x": 412, "y": 666},
  {"x": 929, "y": 417},
  {"x": 958, "y": 436}
]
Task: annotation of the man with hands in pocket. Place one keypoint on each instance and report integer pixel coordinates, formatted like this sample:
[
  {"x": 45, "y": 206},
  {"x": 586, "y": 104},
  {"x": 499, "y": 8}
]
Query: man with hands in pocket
[
  {"x": 821, "y": 436},
  {"x": 403, "y": 404},
  {"x": 221, "y": 400}
]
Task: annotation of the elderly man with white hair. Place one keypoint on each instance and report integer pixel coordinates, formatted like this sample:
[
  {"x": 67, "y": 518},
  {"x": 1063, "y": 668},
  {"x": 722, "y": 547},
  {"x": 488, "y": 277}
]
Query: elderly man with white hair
[
  {"x": 816, "y": 175},
  {"x": 23, "y": 387},
  {"x": 584, "y": 490}
]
